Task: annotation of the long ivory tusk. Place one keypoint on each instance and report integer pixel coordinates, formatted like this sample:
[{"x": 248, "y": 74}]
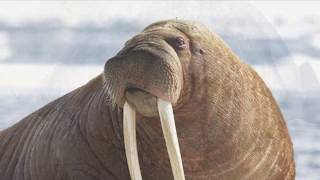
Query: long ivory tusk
[
  {"x": 130, "y": 142},
  {"x": 170, "y": 135}
]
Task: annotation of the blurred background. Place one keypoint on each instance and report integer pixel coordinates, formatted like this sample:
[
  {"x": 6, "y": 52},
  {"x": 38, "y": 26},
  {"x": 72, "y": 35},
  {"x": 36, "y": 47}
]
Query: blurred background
[{"x": 50, "y": 48}]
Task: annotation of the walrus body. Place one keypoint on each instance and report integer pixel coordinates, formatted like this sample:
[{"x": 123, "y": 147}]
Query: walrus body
[{"x": 228, "y": 123}]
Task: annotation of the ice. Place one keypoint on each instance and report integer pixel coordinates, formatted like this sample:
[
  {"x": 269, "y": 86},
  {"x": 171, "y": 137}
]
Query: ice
[
  {"x": 5, "y": 51},
  {"x": 316, "y": 40},
  {"x": 27, "y": 77},
  {"x": 297, "y": 73}
]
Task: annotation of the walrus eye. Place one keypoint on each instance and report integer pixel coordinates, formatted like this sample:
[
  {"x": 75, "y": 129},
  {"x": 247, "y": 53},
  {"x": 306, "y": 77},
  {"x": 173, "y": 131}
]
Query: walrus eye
[{"x": 180, "y": 43}]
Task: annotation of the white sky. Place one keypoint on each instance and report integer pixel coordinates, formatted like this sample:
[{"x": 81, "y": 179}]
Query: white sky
[{"x": 73, "y": 12}]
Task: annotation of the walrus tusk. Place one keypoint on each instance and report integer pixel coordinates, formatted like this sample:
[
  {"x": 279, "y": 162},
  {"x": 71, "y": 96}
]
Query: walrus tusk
[
  {"x": 171, "y": 138},
  {"x": 130, "y": 142}
]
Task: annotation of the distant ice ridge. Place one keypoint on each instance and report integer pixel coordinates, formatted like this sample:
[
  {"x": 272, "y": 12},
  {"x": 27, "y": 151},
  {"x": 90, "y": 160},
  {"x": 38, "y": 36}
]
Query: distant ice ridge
[
  {"x": 25, "y": 78},
  {"x": 5, "y": 51},
  {"x": 297, "y": 74}
]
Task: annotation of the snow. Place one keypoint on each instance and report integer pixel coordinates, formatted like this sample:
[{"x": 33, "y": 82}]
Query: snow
[
  {"x": 316, "y": 40},
  {"x": 31, "y": 77},
  {"x": 297, "y": 73},
  {"x": 5, "y": 52}
]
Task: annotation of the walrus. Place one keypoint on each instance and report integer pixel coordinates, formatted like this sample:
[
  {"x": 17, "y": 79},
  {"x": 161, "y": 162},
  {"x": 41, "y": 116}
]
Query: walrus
[{"x": 174, "y": 103}]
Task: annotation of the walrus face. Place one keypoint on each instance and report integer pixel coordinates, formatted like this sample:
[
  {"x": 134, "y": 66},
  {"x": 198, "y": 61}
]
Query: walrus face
[
  {"x": 147, "y": 76},
  {"x": 147, "y": 68}
]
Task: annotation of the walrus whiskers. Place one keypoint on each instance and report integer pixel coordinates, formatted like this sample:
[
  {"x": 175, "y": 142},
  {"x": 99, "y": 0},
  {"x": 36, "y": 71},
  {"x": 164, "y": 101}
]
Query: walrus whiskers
[{"x": 170, "y": 135}]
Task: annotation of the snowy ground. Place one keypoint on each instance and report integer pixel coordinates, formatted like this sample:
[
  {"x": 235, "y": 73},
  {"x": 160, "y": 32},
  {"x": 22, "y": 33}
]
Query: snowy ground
[{"x": 49, "y": 49}]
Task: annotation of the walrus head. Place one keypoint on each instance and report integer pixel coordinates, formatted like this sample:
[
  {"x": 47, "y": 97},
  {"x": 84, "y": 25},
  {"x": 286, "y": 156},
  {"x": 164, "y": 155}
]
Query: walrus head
[
  {"x": 149, "y": 75},
  {"x": 148, "y": 67}
]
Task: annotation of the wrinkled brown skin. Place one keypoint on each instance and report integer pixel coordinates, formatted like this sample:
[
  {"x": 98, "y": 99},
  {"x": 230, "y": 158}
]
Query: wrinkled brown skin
[{"x": 229, "y": 125}]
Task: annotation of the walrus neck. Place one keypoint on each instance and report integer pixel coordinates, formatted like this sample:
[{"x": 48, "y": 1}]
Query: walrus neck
[{"x": 102, "y": 116}]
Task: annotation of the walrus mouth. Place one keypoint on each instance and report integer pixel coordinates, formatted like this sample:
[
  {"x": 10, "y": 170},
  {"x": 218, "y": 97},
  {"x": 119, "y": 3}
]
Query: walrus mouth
[
  {"x": 169, "y": 131},
  {"x": 143, "y": 102}
]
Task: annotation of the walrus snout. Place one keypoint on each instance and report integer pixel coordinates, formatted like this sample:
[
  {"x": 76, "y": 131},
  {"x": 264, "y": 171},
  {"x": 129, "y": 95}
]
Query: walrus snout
[
  {"x": 151, "y": 67},
  {"x": 146, "y": 77}
]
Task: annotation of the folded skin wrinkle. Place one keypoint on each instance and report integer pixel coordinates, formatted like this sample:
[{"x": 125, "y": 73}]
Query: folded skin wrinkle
[{"x": 170, "y": 135}]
